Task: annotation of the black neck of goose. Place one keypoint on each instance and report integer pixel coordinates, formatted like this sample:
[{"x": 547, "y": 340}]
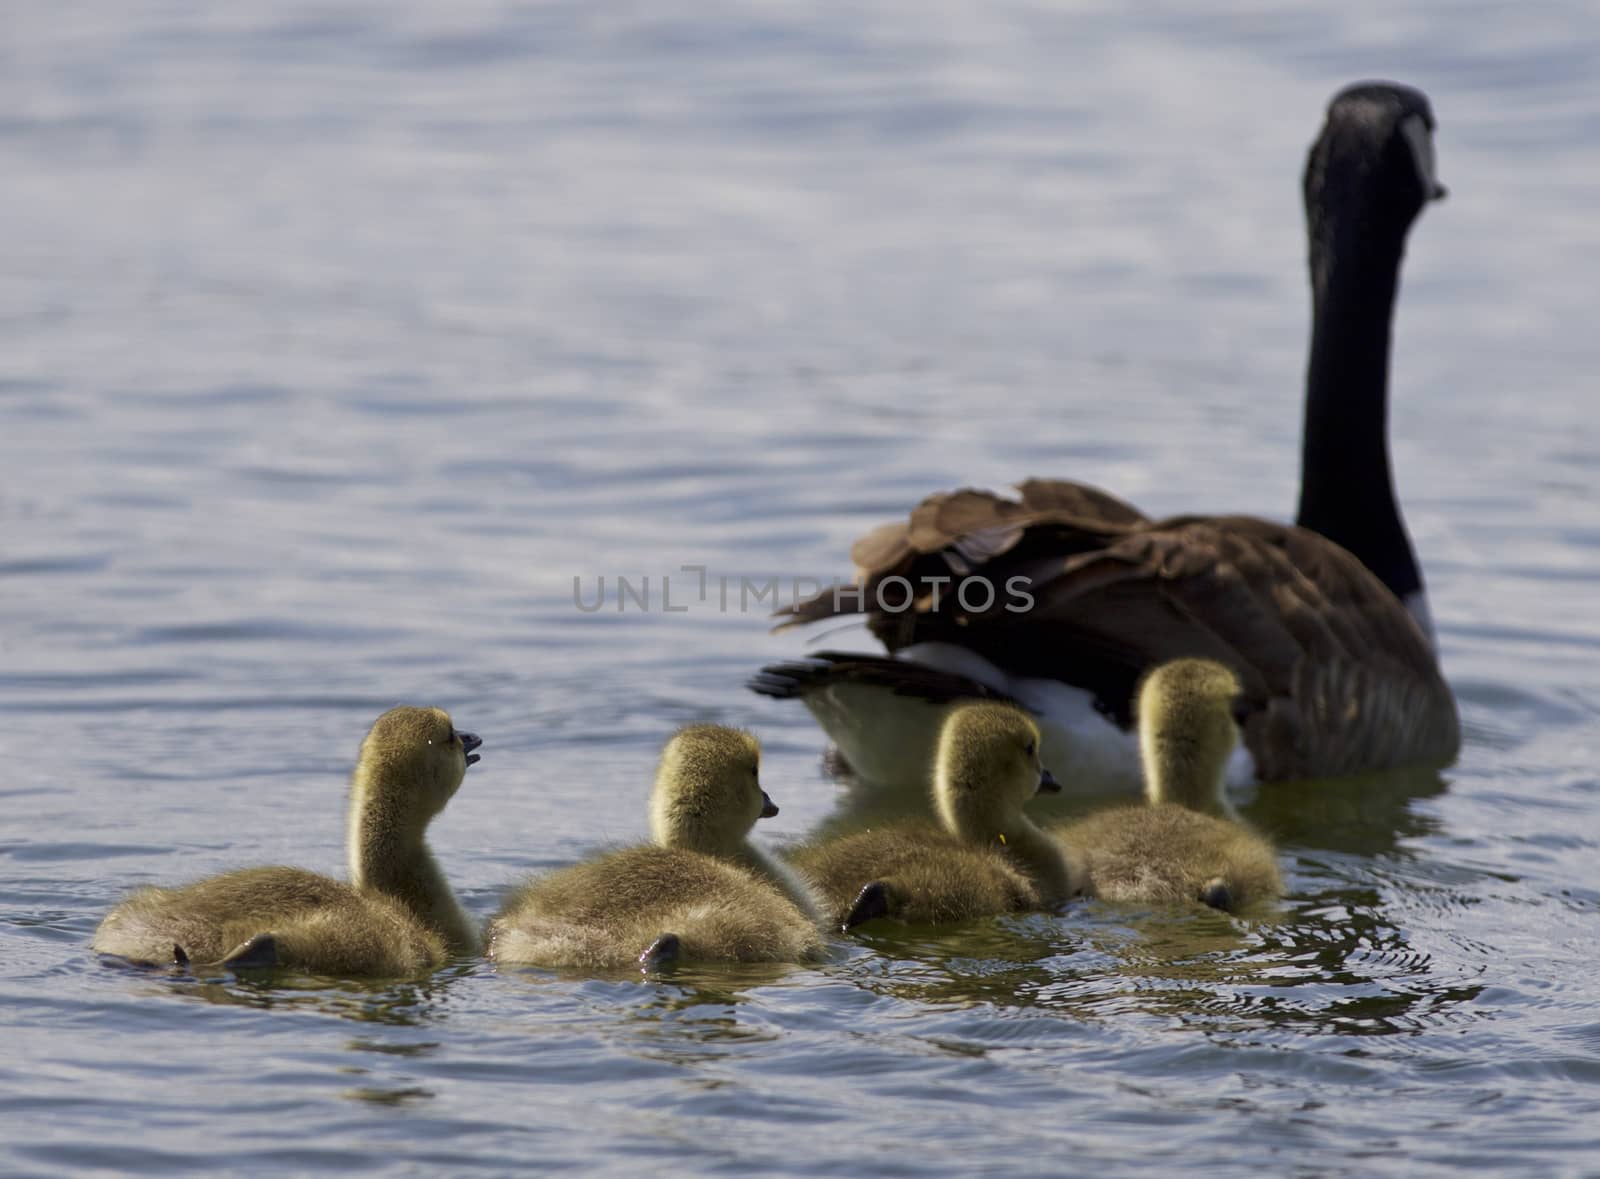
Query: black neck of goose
[{"x": 1346, "y": 491}]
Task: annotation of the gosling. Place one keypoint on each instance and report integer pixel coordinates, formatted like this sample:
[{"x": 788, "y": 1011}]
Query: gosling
[
  {"x": 1187, "y": 844},
  {"x": 700, "y": 892},
  {"x": 984, "y": 858},
  {"x": 396, "y": 916}
]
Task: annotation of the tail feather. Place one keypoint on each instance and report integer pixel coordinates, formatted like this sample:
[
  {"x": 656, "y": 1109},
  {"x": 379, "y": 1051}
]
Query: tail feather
[{"x": 799, "y": 678}]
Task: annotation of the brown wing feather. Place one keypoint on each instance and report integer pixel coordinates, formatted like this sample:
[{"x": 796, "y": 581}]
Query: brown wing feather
[
  {"x": 1337, "y": 676},
  {"x": 954, "y": 533},
  {"x": 1079, "y": 500}
]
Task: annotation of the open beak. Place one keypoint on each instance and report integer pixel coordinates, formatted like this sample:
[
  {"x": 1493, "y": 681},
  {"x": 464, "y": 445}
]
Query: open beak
[
  {"x": 768, "y": 807},
  {"x": 1048, "y": 783},
  {"x": 469, "y": 742}
]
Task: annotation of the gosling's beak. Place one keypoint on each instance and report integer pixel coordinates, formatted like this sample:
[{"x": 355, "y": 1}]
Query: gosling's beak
[
  {"x": 1048, "y": 783},
  {"x": 1439, "y": 192},
  {"x": 768, "y": 807},
  {"x": 469, "y": 742}
]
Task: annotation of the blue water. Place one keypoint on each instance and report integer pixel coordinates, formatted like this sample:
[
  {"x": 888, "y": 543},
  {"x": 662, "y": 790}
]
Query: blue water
[{"x": 335, "y": 342}]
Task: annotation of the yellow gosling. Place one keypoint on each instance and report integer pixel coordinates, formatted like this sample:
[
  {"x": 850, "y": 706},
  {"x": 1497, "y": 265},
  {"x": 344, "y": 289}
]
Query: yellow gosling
[
  {"x": 1186, "y": 845},
  {"x": 984, "y": 858},
  {"x": 396, "y": 916},
  {"x": 700, "y": 892}
]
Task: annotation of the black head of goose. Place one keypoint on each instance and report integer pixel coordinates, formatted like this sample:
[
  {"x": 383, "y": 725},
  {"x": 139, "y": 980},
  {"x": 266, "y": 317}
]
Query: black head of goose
[
  {"x": 1070, "y": 595},
  {"x": 1369, "y": 174}
]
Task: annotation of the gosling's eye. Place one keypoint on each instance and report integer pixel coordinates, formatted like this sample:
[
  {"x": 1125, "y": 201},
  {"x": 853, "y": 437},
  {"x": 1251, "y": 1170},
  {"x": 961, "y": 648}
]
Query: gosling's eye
[{"x": 1029, "y": 748}]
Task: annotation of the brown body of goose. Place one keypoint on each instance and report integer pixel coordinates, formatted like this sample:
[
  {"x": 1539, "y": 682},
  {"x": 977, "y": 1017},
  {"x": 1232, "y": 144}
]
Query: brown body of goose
[
  {"x": 1186, "y": 845},
  {"x": 396, "y": 915},
  {"x": 700, "y": 892},
  {"x": 985, "y": 857},
  {"x": 1324, "y": 621}
]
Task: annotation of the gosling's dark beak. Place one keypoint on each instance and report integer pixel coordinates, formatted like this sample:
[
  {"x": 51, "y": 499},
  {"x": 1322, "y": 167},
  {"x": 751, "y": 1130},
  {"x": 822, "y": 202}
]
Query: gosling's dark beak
[
  {"x": 1048, "y": 783},
  {"x": 1439, "y": 192},
  {"x": 768, "y": 807},
  {"x": 469, "y": 742}
]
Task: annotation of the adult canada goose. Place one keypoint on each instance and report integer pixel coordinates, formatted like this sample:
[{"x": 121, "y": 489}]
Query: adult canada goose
[
  {"x": 396, "y": 916},
  {"x": 1186, "y": 845},
  {"x": 700, "y": 892},
  {"x": 1061, "y": 598},
  {"x": 986, "y": 857}
]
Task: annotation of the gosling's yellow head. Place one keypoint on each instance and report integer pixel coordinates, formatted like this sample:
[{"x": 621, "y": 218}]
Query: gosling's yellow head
[
  {"x": 987, "y": 766},
  {"x": 413, "y": 759},
  {"x": 708, "y": 790},
  {"x": 1187, "y": 733}
]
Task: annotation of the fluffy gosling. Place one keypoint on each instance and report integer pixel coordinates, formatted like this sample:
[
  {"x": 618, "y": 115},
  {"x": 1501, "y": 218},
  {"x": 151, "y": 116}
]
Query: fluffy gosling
[
  {"x": 1186, "y": 844},
  {"x": 984, "y": 858},
  {"x": 396, "y": 916},
  {"x": 700, "y": 892}
]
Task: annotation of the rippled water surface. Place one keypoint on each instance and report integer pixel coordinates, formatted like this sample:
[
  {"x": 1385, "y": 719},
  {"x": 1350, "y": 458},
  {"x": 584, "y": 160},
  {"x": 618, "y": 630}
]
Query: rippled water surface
[{"x": 336, "y": 341}]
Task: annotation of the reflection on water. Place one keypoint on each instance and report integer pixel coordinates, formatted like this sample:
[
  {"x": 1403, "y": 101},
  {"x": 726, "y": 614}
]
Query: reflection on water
[
  {"x": 717, "y": 982},
  {"x": 388, "y": 1096},
  {"x": 1365, "y": 816},
  {"x": 332, "y": 347},
  {"x": 1334, "y": 965},
  {"x": 396, "y": 1004}
]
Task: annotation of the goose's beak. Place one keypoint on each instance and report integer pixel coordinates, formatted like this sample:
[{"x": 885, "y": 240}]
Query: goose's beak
[
  {"x": 768, "y": 807},
  {"x": 1439, "y": 192},
  {"x": 469, "y": 742},
  {"x": 1048, "y": 783}
]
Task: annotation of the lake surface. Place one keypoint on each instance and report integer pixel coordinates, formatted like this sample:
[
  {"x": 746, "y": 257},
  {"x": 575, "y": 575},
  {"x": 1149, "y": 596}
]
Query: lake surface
[{"x": 336, "y": 341}]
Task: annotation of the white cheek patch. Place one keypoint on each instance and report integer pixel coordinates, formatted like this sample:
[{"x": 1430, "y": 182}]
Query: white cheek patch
[{"x": 1420, "y": 140}]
